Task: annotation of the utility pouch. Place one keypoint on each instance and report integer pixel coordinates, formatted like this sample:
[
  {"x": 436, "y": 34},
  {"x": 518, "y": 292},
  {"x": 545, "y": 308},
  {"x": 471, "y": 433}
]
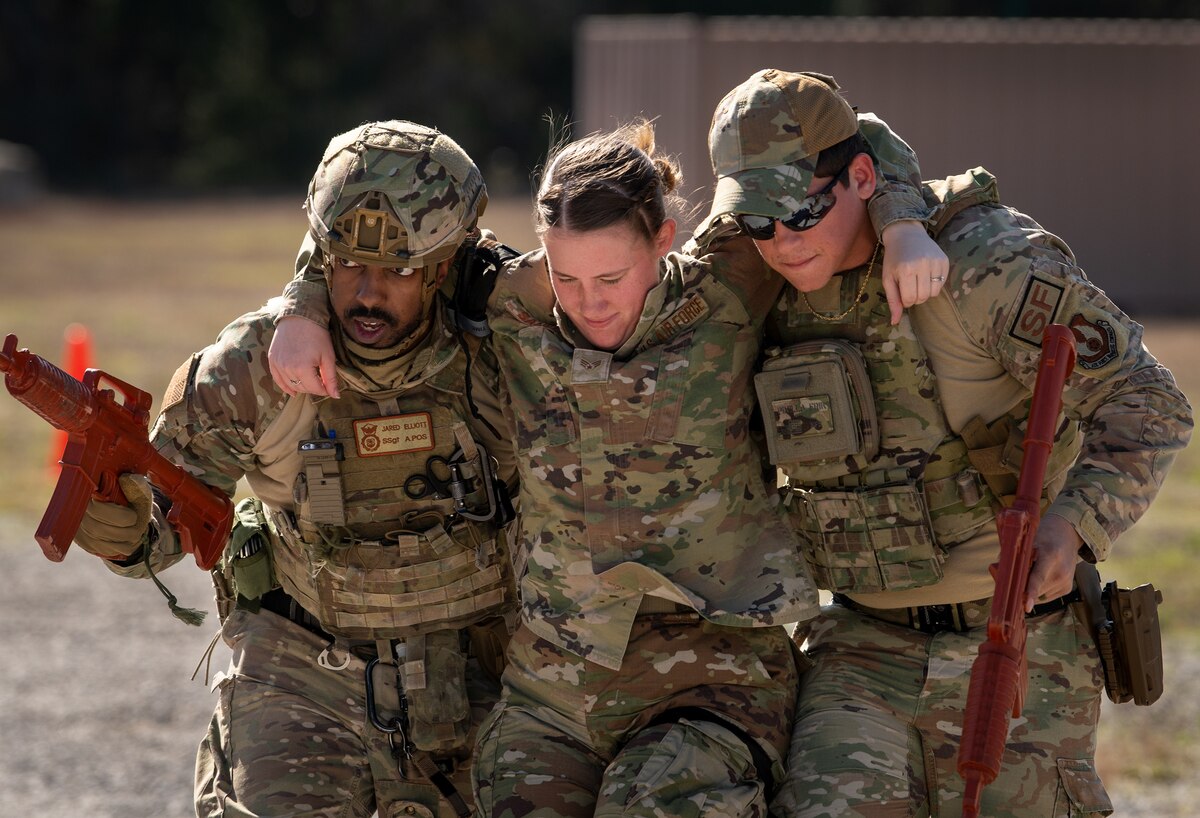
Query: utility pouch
[
  {"x": 248, "y": 559},
  {"x": 817, "y": 404},
  {"x": 319, "y": 484},
  {"x": 435, "y": 682},
  {"x": 1124, "y": 622},
  {"x": 869, "y": 539}
]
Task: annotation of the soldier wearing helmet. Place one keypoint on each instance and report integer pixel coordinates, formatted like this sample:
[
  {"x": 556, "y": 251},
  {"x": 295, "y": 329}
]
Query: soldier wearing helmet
[{"x": 366, "y": 593}]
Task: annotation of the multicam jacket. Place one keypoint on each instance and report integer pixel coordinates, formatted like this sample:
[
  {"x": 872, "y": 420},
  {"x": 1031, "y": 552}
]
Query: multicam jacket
[
  {"x": 381, "y": 564},
  {"x": 951, "y": 386},
  {"x": 637, "y": 470}
]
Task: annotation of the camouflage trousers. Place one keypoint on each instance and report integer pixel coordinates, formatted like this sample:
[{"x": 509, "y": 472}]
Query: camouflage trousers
[
  {"x": 291, "y": 736},
  {"x": 693, "y": 724},
  {"x": 880, "y": 716}
]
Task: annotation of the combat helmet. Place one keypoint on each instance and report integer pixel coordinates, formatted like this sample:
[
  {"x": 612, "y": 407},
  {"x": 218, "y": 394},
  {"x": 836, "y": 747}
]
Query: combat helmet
[{"x": 394, "y": 194}]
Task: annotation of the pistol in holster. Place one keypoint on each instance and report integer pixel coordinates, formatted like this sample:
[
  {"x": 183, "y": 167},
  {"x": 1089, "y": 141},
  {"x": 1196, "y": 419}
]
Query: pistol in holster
[{"x": 1124, "y": 623}]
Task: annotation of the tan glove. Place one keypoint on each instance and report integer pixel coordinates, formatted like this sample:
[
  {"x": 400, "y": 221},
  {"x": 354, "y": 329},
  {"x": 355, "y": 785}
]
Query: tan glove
[{"x": 112, "y": 531}]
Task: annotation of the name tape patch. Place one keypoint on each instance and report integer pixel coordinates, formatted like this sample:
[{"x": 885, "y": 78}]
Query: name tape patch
[
  {"x": 393, "y": 434},
  {"x": 689, "y": 313}
]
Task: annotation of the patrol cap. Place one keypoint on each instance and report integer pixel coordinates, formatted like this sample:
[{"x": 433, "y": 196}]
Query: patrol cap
[
  {"x": 765, "y": 137},
  {"x": 394, "y": 194}
]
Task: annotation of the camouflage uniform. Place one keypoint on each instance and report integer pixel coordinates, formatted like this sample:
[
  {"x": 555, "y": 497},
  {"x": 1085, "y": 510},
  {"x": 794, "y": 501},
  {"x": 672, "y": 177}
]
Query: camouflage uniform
[
  {"x": 651, "y": 674},
  {"x": 367, "y": 607},
  {"x": 897, "y": 514}
]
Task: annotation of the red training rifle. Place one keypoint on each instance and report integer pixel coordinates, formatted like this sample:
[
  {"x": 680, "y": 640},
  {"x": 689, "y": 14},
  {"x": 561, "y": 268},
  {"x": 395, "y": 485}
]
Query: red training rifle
[
  {"x": 999, "y": 675},
  {"x": 106, "y": 439}
]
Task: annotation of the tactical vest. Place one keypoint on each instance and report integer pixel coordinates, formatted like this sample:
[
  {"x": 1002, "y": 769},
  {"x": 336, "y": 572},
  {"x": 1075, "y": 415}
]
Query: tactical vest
[
  {"x": 382, "y": 544},
  {"x": 877, "y": 484}
]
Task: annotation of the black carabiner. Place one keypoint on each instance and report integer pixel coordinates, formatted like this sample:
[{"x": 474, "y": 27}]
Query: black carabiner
[{"x": 397, "y": 724}]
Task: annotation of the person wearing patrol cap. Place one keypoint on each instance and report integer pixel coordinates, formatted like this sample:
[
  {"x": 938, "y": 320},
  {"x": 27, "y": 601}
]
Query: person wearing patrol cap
[
  {"x": 761, "y": 158},
  {"x": 899, "y": 442},
  {"x": 367, "y": 591}
]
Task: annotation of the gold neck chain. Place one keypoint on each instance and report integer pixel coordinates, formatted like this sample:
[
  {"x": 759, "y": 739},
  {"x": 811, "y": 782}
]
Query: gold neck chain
[{"x": 821, "y": 316}]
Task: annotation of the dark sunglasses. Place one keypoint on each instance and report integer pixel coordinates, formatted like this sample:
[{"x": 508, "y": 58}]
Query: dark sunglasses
[{"x": 809, "y": 215}]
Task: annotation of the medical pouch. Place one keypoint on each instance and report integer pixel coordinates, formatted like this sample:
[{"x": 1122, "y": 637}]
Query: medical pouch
[{"x": 434, "y": 676}]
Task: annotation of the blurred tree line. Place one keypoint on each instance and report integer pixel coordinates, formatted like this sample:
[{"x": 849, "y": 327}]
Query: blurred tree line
[{"x": 143, "y": 97}]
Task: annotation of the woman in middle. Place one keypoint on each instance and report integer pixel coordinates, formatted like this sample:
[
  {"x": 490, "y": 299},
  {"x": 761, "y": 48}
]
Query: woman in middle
[{"x": 651, "y": 673}]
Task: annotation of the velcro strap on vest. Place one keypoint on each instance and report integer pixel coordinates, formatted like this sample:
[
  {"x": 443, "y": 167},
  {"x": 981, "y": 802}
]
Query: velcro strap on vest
[
  {"x": 371, "y": 590},
  {"x": 465, "y": 442},
  {"x": 949, "y": 480}
]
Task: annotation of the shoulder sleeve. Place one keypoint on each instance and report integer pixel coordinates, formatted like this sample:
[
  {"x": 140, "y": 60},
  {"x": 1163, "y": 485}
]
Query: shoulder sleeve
[
  {"x": 224, "y": 400},
  {"x": 522, "y": 295},
  {"x": 898, "y": 186},
  {"x": 1009, "y": 280},
  {"x": 733, "y": 260},
  {"x": 306, "y": 295}
]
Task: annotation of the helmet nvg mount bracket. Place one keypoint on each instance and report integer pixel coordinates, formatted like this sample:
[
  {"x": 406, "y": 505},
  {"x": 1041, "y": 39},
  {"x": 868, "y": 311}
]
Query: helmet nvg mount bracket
[{"x": 394, "y": 194}]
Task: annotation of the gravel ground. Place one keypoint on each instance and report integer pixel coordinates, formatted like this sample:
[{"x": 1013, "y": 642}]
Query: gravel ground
[{"x": 98, "y": 715}]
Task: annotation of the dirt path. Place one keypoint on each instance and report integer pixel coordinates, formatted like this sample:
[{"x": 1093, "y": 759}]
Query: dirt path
[
  {"x": 97, "y": 713},
  {"x": 98, "y": 716}
]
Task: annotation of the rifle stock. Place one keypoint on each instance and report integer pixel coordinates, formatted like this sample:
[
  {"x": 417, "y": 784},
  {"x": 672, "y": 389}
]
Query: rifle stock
[
  {"x": 999, "y": 675},
  {"x": 106, "y": 439}
]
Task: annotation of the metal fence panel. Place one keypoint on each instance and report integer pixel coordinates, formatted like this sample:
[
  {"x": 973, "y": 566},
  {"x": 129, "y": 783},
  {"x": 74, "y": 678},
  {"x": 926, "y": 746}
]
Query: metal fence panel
[{"x": 1089, "y": 125}]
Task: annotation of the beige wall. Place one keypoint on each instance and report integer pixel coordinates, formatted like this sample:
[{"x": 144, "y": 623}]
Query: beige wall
[{"x": 1091, "y": 126}]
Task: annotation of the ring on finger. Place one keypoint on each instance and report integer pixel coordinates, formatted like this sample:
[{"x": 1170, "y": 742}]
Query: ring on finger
[{"x": 295, "y": 381}]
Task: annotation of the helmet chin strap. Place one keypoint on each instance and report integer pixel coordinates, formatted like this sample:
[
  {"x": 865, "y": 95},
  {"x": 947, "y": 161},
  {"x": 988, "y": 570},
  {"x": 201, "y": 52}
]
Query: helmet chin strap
[{"x": 429, "y": 288}]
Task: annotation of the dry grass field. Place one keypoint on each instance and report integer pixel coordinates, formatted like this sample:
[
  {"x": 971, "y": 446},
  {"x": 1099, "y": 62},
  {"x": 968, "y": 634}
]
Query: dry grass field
[{"x": 97, "y": 713}]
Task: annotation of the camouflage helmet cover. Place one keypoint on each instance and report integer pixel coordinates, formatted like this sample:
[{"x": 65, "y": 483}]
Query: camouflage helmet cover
[
  {"x": 395, "y": 194},
  {"x": 766, "y": 136}
]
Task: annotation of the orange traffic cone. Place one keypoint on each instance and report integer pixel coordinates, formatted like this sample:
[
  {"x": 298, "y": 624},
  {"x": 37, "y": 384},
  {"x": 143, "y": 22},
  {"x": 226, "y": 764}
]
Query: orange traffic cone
[{"x": 77, "y": 359}]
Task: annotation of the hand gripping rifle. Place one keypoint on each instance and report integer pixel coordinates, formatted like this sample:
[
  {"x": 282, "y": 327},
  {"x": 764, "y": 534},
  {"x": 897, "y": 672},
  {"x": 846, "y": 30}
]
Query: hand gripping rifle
[
  {"x": 999, "y": 676},
  {"x": 106, "y": 439}
]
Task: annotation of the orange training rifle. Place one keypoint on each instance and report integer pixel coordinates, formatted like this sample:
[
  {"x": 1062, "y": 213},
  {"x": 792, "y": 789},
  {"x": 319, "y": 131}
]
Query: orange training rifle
[
  {"x": 106, "y": 439},
  {"x": 999, "y": 676}
]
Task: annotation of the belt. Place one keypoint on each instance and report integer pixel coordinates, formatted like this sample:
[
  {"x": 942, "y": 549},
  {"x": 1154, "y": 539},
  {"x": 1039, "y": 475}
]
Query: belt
[
  {"x": 956, "y": 616},
  {"x": 282, "y": 604},
  {"x": 657, "y": 606}
]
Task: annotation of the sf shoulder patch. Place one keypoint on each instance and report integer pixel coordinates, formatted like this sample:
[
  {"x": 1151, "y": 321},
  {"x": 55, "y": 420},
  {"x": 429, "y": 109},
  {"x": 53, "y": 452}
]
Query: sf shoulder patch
[{"x": 1037, "y": 309}]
